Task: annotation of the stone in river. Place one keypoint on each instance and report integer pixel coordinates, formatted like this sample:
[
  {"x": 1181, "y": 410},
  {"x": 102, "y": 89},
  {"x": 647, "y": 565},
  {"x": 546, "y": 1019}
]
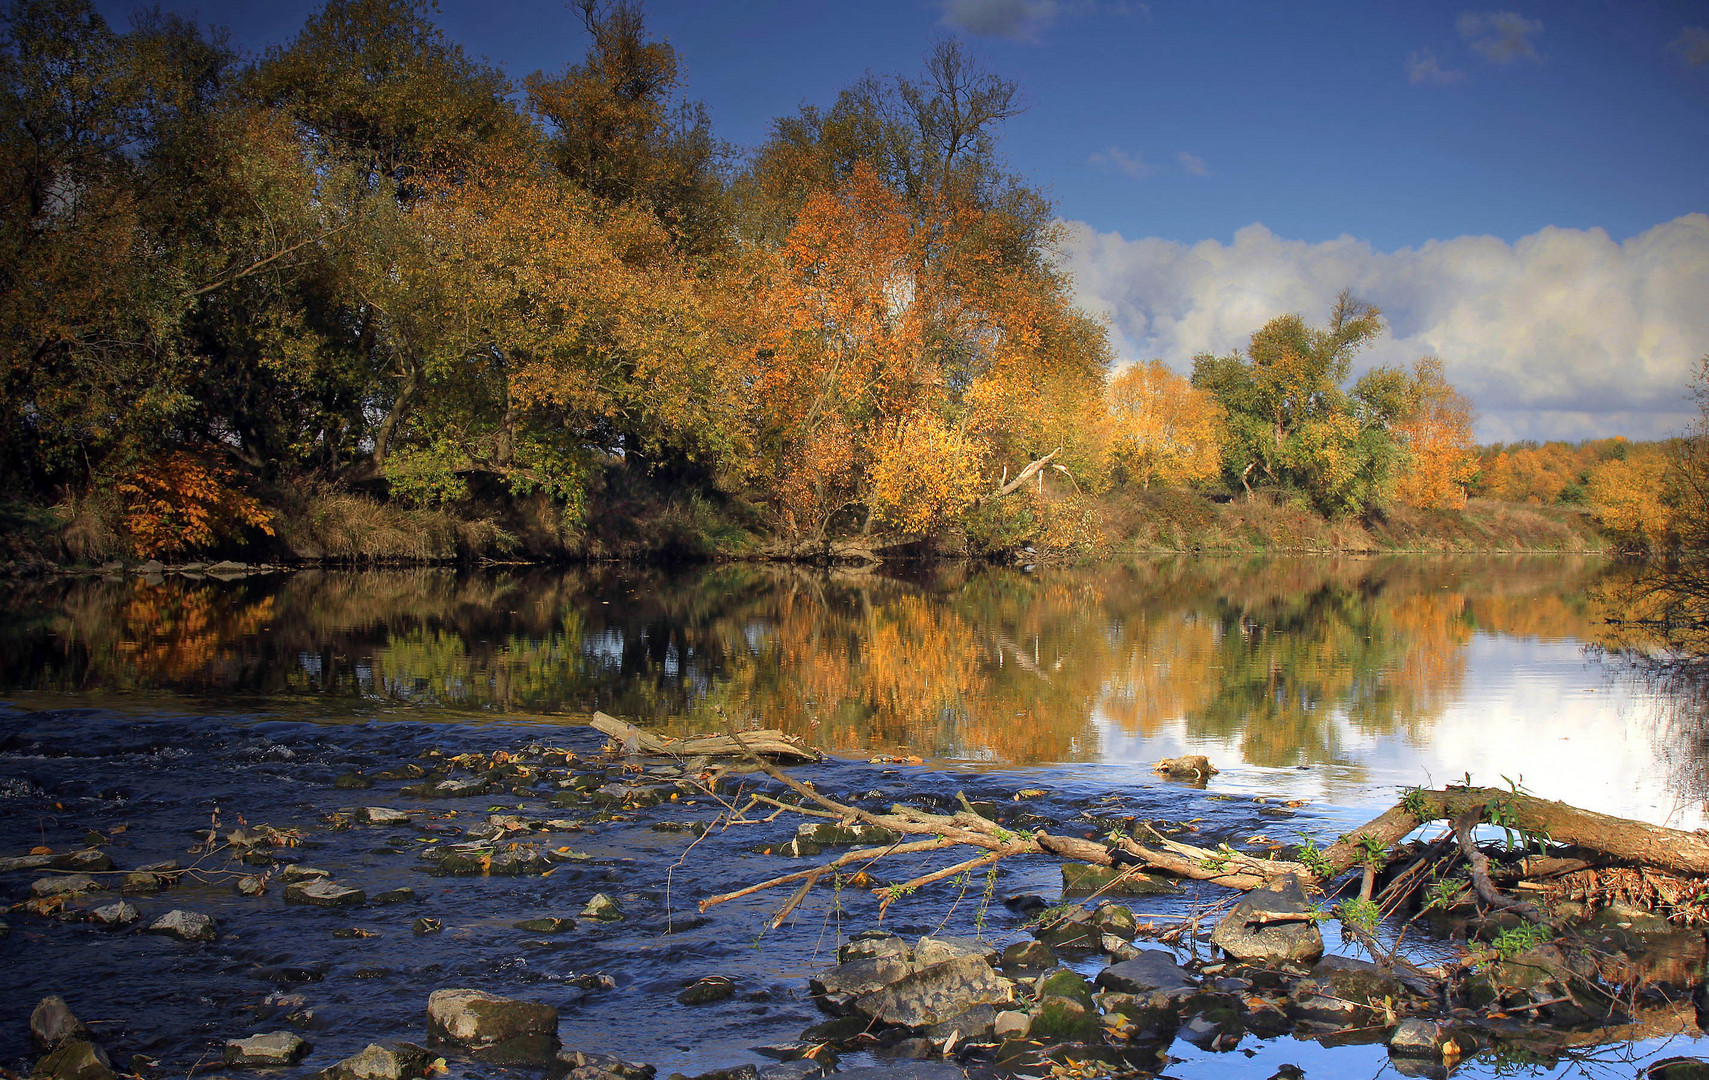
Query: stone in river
[
  {"x": 602, "y": 907},
  {"x": 322, "y": 893},
  {"x": 483, "y": 1021},
  {"x": 274, "y": 1049},
  {"x": 710, "y": 988},
  {"x": 1270, "y": 925},
  {"x": 63, "y": 885},
  {"x": 188, "y": 925},
  {"x": 403, "y": 894},
  {"x": 934, "y": 994},
  {"x": 122, "y": 913},
  {"x": 546, "y": 926},
  {"x": 53, "y": 1023},
  {"x": 1152, "y": 971},
  {"x": 302, "y": 873},
  {"x": 1416, "y": 1038},
  {"x": 392, "y": 1060},
  {"x": 1029, "y": 956},
  {"x": 250, "y": 885},
  {"x": 381, "y": 815},
  {"x": 76, "y": 1059}
]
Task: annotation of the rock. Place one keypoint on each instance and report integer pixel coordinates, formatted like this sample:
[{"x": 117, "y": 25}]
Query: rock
[
  {"x": 269, "y": 1051},
  {"x": 66, "y": 885},
  {"x": 1416, "y": 1038},
  {"x": 974, "y": 1025},
  {"x": 403, "y": 894},
  {"x": 249, "y": 885},
  {"x": 1194, "y": 767},
  {"x": 76, "y": 1059},
  {"x": 1070, "y": 932},
  {"x": 122, "y": 913},
  {"x": 709, "y": 989},
  {"x": 1063, "y": 1018},
  {"x": 1083, "y": 879},
  {"x": 934, "y": 994},
  {"x": 380, "y": 815},
  {"x": 874, "y": 945},
  {"x": 1317, "y": 1008},
  {"x": 1011, "y": 1025},
  {"x": 94, "y": 861},
  {"x": 837, "y": 987},
  {"x": 426, "y": 925},
  {"x": 227, "y": 566},
  {"x": 381, "y": 1061},
  {"x": 292, "y": 874},
  {"x": 1678, "y": 1068},
  {"x": 545, "y": 926},
  {"x": 352, "y": 781},
  {"x": 585, "y": 1066},
  {"x": 1152, "y": 971},
  {"x": 321, "y": 893},
  {"x": 476, "y": 1019},
  {"x": 1116, "y": 948},
  {"x": 932, "y": 949},
  {"x": 603, "y": 908},
  {"x": 25, "y": 862},
  {"x": 912, "y": 1070},
  {"x": 1029, "y": 956},
  {"x": 1356, "y": 980},
  {"x": 1244, "y": 934},
  {"x": 800, "y": 1069},
  {"x": 187, "y": 925},
  {"x": 52, "y": 1023},
  {"x": 1065, "y": 983}
]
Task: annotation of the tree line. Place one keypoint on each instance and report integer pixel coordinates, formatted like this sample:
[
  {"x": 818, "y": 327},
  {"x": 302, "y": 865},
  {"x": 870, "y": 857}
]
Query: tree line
[{"x": 364, "y": 270}]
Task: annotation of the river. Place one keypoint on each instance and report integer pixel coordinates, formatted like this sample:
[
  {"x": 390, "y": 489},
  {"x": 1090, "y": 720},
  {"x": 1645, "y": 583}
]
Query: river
[{"x": 139, "y": 708}]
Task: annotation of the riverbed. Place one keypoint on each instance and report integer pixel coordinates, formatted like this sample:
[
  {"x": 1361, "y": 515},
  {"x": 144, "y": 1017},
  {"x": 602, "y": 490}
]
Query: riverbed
[{"x": 147, "y": 710}]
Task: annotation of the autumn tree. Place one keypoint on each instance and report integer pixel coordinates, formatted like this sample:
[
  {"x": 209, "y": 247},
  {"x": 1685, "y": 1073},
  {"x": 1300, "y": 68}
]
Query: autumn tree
[
  {"x": 1435, "y": 429},
  {"x": 1164, "y": 429}
]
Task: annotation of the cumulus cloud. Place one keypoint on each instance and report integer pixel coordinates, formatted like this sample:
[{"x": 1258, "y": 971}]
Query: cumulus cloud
[
  {"x": 1500, "y": 37},
  {"x": 1192, "y": 164},
  {"x": 1565, "y": 333},
  {"x": 1692, "y": 46},
  {"x": 1133, "y": 166},
  {"x": 1422, "y": 69}
]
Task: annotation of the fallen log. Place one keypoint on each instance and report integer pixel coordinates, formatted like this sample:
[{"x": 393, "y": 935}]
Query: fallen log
[{"x": 770, "y": 744}]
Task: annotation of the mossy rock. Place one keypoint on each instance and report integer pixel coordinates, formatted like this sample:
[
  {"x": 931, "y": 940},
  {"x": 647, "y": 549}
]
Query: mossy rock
[
  {"x": 1068, "y": 984},
  {"x": 1063, "y": 1018},
  {"x": 1083, "y": 879}
]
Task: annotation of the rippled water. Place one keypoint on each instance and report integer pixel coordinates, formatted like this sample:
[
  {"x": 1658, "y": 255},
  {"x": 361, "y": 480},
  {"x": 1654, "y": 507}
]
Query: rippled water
[{"x": 146, "y": 705}]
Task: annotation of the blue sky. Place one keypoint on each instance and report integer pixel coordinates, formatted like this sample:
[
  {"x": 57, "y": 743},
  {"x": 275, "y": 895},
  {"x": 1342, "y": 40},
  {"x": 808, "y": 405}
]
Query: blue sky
[{"x": 1522, "y": 189}]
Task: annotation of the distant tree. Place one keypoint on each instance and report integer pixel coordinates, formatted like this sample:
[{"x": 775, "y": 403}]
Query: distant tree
[
  {"x": 1162, "y": 428},
  {"x": 1435, "y": 429}
]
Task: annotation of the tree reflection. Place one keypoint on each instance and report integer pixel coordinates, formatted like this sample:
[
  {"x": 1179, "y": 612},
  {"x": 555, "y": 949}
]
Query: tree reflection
[{"x": 1282, "y": 657}]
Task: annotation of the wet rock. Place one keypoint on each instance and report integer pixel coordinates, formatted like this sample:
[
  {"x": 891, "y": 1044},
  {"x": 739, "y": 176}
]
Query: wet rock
[
  {"x": 934, "y": 994},
  {"x": 62, "y": 885},
  {"x": 269, "y": 1051},
  {"x": 425, "y": 925},
  {"x": 122, "y": 913},
  {"x": 478, "y": 1020},
  {"x": 934, "y": 949},
  {"x": 1152, "y": 971},
  {"x": 76, "y": 1059},
  {"x": 1116, "y": 948},
  {"x": 352, "y": 781},
  {"x": 186, "y": 925},
  {"x": 400, "y": 895},
  {"x": 322, "y": 893},
  {"x": 836, "y": 988},
  {"x": 1115, "y": 919},
  {"x": 1416, "y": 1038},
  {"x": 1270, "y": 926},
  {"x": 92, "y": 861},
  {"x": 1032, "y": 955},
  {"x": 974, "y": 1025},
  {"x": 25, "y": 862},
  {"x": 1191, "y": 767},
  {"x": 52, "y": 1023},
  {"x": 1356, "y": 980},
  {"x": 545, "y": 926},
  {"x": 875, "y": 945},
  {"x": 1072, "y": 931},
  {"x": 249, "y": 885},
  {"x": 603, "y": 908},
  {"x": 1083, "y": 879},
  {"x": 1314, "y": 1008},
  {"x": 1062, "y": 1018},
  {"x": 711, "y": 988},
  {"x": 381, "y": 815},
  {"x": 295, "y": 873},
  {"x": 833, "y": 834},
  {"x": 1026, "y": 905},
  {"x": 581, "y": 1065},
  {"x": 381, "y": 1061},
  {"x": 1678, "y": 1068},
  {"x": 1011, "y": 1025},
  {"x": 913, "y": 1070},
  {"x": 800, "y": 1069}
]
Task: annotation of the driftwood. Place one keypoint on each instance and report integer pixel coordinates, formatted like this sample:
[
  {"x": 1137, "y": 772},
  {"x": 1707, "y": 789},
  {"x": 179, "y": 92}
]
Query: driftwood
[{"x": 771, "y": 744}]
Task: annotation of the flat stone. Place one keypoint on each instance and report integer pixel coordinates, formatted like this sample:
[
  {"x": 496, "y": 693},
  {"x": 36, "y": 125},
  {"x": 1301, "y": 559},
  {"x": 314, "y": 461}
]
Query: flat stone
[
  {"x": 403, "y": 894},
  {"x": 321, "y": 893},
  {"x": 934, "y": 994},
  {"x": 122, "y": 913},
  {"x": 838, "y": 986},
  {"x": 875, "y": 945},
  {"x": 62, "y": 885},
  {"x": 1029, "y": 956},
  {"x": 92, "y": 860},
  {"x": 935, "y": 949},
  {"x": 971, "y": 1025},
  {"x": 1416, "y": 1038},
  {"x": 1083, "y": 879},
  {"x": 1152, "y": 971},
  {"x": 25, "y": 862},
  {"x": 711, "y": 988},
  {"x": 478, "y": 1019},
  {"x": 381, "y": 815},
  {"x": 249, "y": 885},
  {"x": 390, "y": 1060},
  {"x": 52, "y": 1023},
  {"x": 545, "y": 926},
  {"x": 1117, "y": 948},
  {"x": 297, "y": 873},
  {"x": 1011, "y": 1025},
  {"x": 272, "y": 1050},
  {"x": 187, "y": 925},
  {"x": 76, "y": 1059}
]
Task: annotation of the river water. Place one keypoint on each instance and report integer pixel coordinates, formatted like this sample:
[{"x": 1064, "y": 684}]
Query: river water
[{"x": 141, "y": 708}]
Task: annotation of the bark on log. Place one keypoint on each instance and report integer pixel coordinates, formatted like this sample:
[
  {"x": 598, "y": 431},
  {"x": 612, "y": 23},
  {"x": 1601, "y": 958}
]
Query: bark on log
[{"x": 766, "y": 744}]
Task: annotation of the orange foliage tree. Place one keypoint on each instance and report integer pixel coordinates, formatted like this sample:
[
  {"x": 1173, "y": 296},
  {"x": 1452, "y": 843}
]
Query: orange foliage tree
[
  {"x": 1163, "y": 428},
  {"x": 178, "y": 502},
  {"x": 1437, "y": 433}
]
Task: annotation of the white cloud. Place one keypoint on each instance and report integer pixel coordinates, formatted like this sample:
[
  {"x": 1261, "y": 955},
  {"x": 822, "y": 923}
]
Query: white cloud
[
  {"x": 1133, "y": 166},
  {"x": 1692, "y": 46},
  {"x": 1422, "y": 69},
  {"x": 1192, "y": 164},
  {"x": 1565, "y": 333},
  {"x": 1500, "y": 37},
  {"x": 1017, "y": 20}
]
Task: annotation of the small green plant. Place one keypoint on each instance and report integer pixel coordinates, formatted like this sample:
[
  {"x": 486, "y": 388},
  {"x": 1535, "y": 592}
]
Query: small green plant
[
  {"x": 985, "y": 902},
  {"x": 1445, "y": 893},
  {"x": 1359, "y": 913},
  {"x": 1515, "y": 940},
  {"x": 1373, "y": 852},
  {"x": 1311, "y": 857},
  {"x": 1217, "y": 861},
  {"x": 1412, "y": 801}
]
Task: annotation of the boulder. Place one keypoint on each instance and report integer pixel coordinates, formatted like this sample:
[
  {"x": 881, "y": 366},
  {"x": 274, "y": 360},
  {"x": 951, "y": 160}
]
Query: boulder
[
  {"x": 973, "y": 1025},
  {"x": 581, "y": 1065},
  {"x": 932, "y": 949},
  {"x": 835, "y": 988},
  {"x": 1029, "y": 956},
  {"x": 834, "y": 834},
  {"x": 296, "y": 873},
  {"x": 269, "y": 1051},
  {"x": 1117, "y": 948},
  {"x": 875, "y": 945},
  {"x": 62, "y": 885},
  {"x": 1270, "y": 925},
  {"x": 122, "y": 913},
  {"x": 1356, "y": 980},
  {"x": 1084, "y": 879},
  {"x": 1191, "y": 767},
  {"x": 186, "y": 925},
  {"x": 323, "y": 893},
  {"x": 933, "y": 994},
  {"x": 1072, "y": 931},
  {"x": 603, "y": 908},
  {"x": 1152, "y": 971},
  {"x": 709, "y": 989},
  {"x": 1416, "y": 1038},
  {"x": 1115, "y": 919},
  {"x": 76, "y": 1059},
  {"x": 546, "y": 925},
  {"x": 381, "y": 1061},
  {"x": 381, "y": 815},
  {"x": 1063, "y": 1019},
  {"x": 52, "y": 1023},
  {"x": 1011, "y": 1025},
  {"x": 476, "y": 1019}
]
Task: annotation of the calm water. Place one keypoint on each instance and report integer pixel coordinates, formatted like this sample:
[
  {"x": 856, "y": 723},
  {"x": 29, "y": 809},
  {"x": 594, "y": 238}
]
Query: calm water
[{"x": 136, "y": 708}]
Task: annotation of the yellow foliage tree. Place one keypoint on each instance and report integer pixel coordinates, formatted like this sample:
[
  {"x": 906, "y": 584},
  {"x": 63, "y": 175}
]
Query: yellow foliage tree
[
  {"x": 1437, "y": 434},
  {"x": 1626, "y": 495},
  {"x": 1163, "y": 428},
  {"x": 925, "y": 475}
]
